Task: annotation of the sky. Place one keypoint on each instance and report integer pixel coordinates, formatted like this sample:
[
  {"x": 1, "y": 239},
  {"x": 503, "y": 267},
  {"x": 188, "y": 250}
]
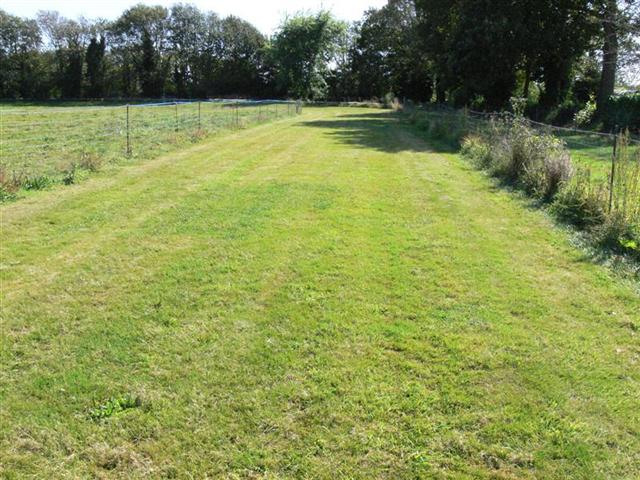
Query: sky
[{"x": 265, "y": 15}]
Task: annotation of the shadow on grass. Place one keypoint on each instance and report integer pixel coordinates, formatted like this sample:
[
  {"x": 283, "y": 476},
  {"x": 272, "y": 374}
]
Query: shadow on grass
[{"x": 384, "y": 131}]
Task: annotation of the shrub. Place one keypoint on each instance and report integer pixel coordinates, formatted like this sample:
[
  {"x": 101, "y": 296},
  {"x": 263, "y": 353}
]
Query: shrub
[
  {"x": 624, "y": 112},
  {"x": 617, "y": 234},
  {"x": 539, "y": 164},
  {"x": 581, "y": 202},
  {"x": 585, "y": 116},
  {"x": 475, "y": 148}
]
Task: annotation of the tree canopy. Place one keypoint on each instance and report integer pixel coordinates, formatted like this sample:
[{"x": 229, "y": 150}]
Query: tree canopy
[{"x": 559, "y": 54}]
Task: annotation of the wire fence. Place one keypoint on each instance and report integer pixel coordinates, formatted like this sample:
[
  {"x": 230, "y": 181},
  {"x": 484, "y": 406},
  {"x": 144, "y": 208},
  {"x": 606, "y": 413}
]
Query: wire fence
[
  {"x": 47, "y": 141},
  {"x": 589, "y": 149},
  {"x": 603, "y": 182}
]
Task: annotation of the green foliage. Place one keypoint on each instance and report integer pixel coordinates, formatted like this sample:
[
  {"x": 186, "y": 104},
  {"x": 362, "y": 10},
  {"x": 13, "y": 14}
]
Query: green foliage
[
  {"x": 96, "y": 67},
  {"x": 303, "y": 48},
  {"x": 114, "y": 406},
  {"x": 387, "y": 54},
  {"x": 623, "y": 112},
  {"x": 581, "y": 202},
  {"x": 38, "y": 182},
  {"x": 69, "y": 174},
  {"x": 585, "y": 116}
]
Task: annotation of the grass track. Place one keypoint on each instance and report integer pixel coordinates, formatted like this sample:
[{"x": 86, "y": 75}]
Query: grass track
[{"x": 321, "y": 297}]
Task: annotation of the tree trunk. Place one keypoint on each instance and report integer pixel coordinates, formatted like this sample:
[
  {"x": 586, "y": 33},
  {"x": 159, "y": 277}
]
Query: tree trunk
[
  {"x": 609, "y": 55},
  {"x": 527, "y": 80},
  {"x": 440, "y": 92}
]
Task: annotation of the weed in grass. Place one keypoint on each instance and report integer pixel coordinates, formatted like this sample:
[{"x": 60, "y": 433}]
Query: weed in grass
[
  {"x": 39, "y": 182},
  {"x": 69, "y": 174},
  {"x": 114, "y": 406},
  {"x": 90, "y": 162},
  {"x": 8, "y": 186}
]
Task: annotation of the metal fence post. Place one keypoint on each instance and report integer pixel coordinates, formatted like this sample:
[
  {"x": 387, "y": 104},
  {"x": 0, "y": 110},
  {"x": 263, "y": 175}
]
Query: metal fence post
[
  {"x": 128, "y": 134},
  {"x": 613, "y": 168}
]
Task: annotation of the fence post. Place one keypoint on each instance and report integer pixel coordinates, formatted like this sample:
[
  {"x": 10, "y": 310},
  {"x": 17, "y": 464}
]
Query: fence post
[
  {"x": 128, "y": 134},
  {"x": 176, "y": 117},
  {"x": 199, "y": 118},
  {"x": 612, "y": 182}
]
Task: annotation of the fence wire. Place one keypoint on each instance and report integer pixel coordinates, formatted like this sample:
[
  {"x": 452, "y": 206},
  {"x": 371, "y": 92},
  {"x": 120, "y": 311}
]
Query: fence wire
[{"x": 46, "y": 141}]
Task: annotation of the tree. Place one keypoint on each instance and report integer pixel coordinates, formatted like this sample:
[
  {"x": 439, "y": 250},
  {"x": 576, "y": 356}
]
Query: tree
[
  {"x": 477, "y": 47},
  {"x": 22, "y": 73},
  {"x": 140, "y": 45},
  {"x": 186, "y": 33},
  {"x": 303, "y": 48},
  {"x": 388, "y": 55},
  {"x": 240, "y": 57},
  {"x": 68, "y": 39},
  {"x": 620, "y": 28},
  {"x": 95, "y": 67}
]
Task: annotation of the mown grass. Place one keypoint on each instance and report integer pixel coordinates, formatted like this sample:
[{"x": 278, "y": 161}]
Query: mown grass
[{"x": 323, "y": 297}]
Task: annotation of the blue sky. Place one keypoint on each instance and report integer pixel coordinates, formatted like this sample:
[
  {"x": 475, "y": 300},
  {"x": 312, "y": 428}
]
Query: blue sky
[{"x": 265, "y": 15}]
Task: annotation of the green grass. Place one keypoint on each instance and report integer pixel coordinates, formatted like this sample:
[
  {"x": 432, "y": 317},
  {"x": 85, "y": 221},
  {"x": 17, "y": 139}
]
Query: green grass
[
  {"x": 39, "y": 140},
  {"x": 591, "y": 151},
  {"x": 322, "y": 297}
]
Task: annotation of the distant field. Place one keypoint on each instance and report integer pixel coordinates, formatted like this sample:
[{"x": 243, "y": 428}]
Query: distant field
[
  {"x": 45, "y": 140},
  {"x": 593, "y": 151}
]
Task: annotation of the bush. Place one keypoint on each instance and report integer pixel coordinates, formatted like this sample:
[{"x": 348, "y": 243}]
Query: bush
[
  {"x": 8, "y": 185},
  {"x": 581, "y": 202},
  {"x": 623, "y": 112},
  {"x": 476, "y": 149},
  {"x": 617, "y": 234},
  {"x": 585, "y": 116},
  {"x": 539, "y": 164}
]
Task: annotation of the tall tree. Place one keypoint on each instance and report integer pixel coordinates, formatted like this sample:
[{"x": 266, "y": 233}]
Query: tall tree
[
  {"x": 95, "y": 67},
  {"x": 68, "y": 39},
  {"x": 303, "y": 48},
  {"x": 620, "y": 42},
  {"x": 22, "y": 73},
  {"x": 240, "y": 53},
  {"x": 388, "y": 54},
  {"x": 186, "y": 33},
  {"x": 140, "y": 38}
]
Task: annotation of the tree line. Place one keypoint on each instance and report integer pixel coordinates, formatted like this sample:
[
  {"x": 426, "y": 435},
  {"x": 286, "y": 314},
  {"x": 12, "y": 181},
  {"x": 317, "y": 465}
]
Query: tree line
[{"x": 479, "y": 53}]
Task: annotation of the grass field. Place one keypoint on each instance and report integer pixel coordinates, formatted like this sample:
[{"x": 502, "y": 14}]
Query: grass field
[
  {"x": 326, "y": 296},
  {"x": 45, "y": 141}
]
